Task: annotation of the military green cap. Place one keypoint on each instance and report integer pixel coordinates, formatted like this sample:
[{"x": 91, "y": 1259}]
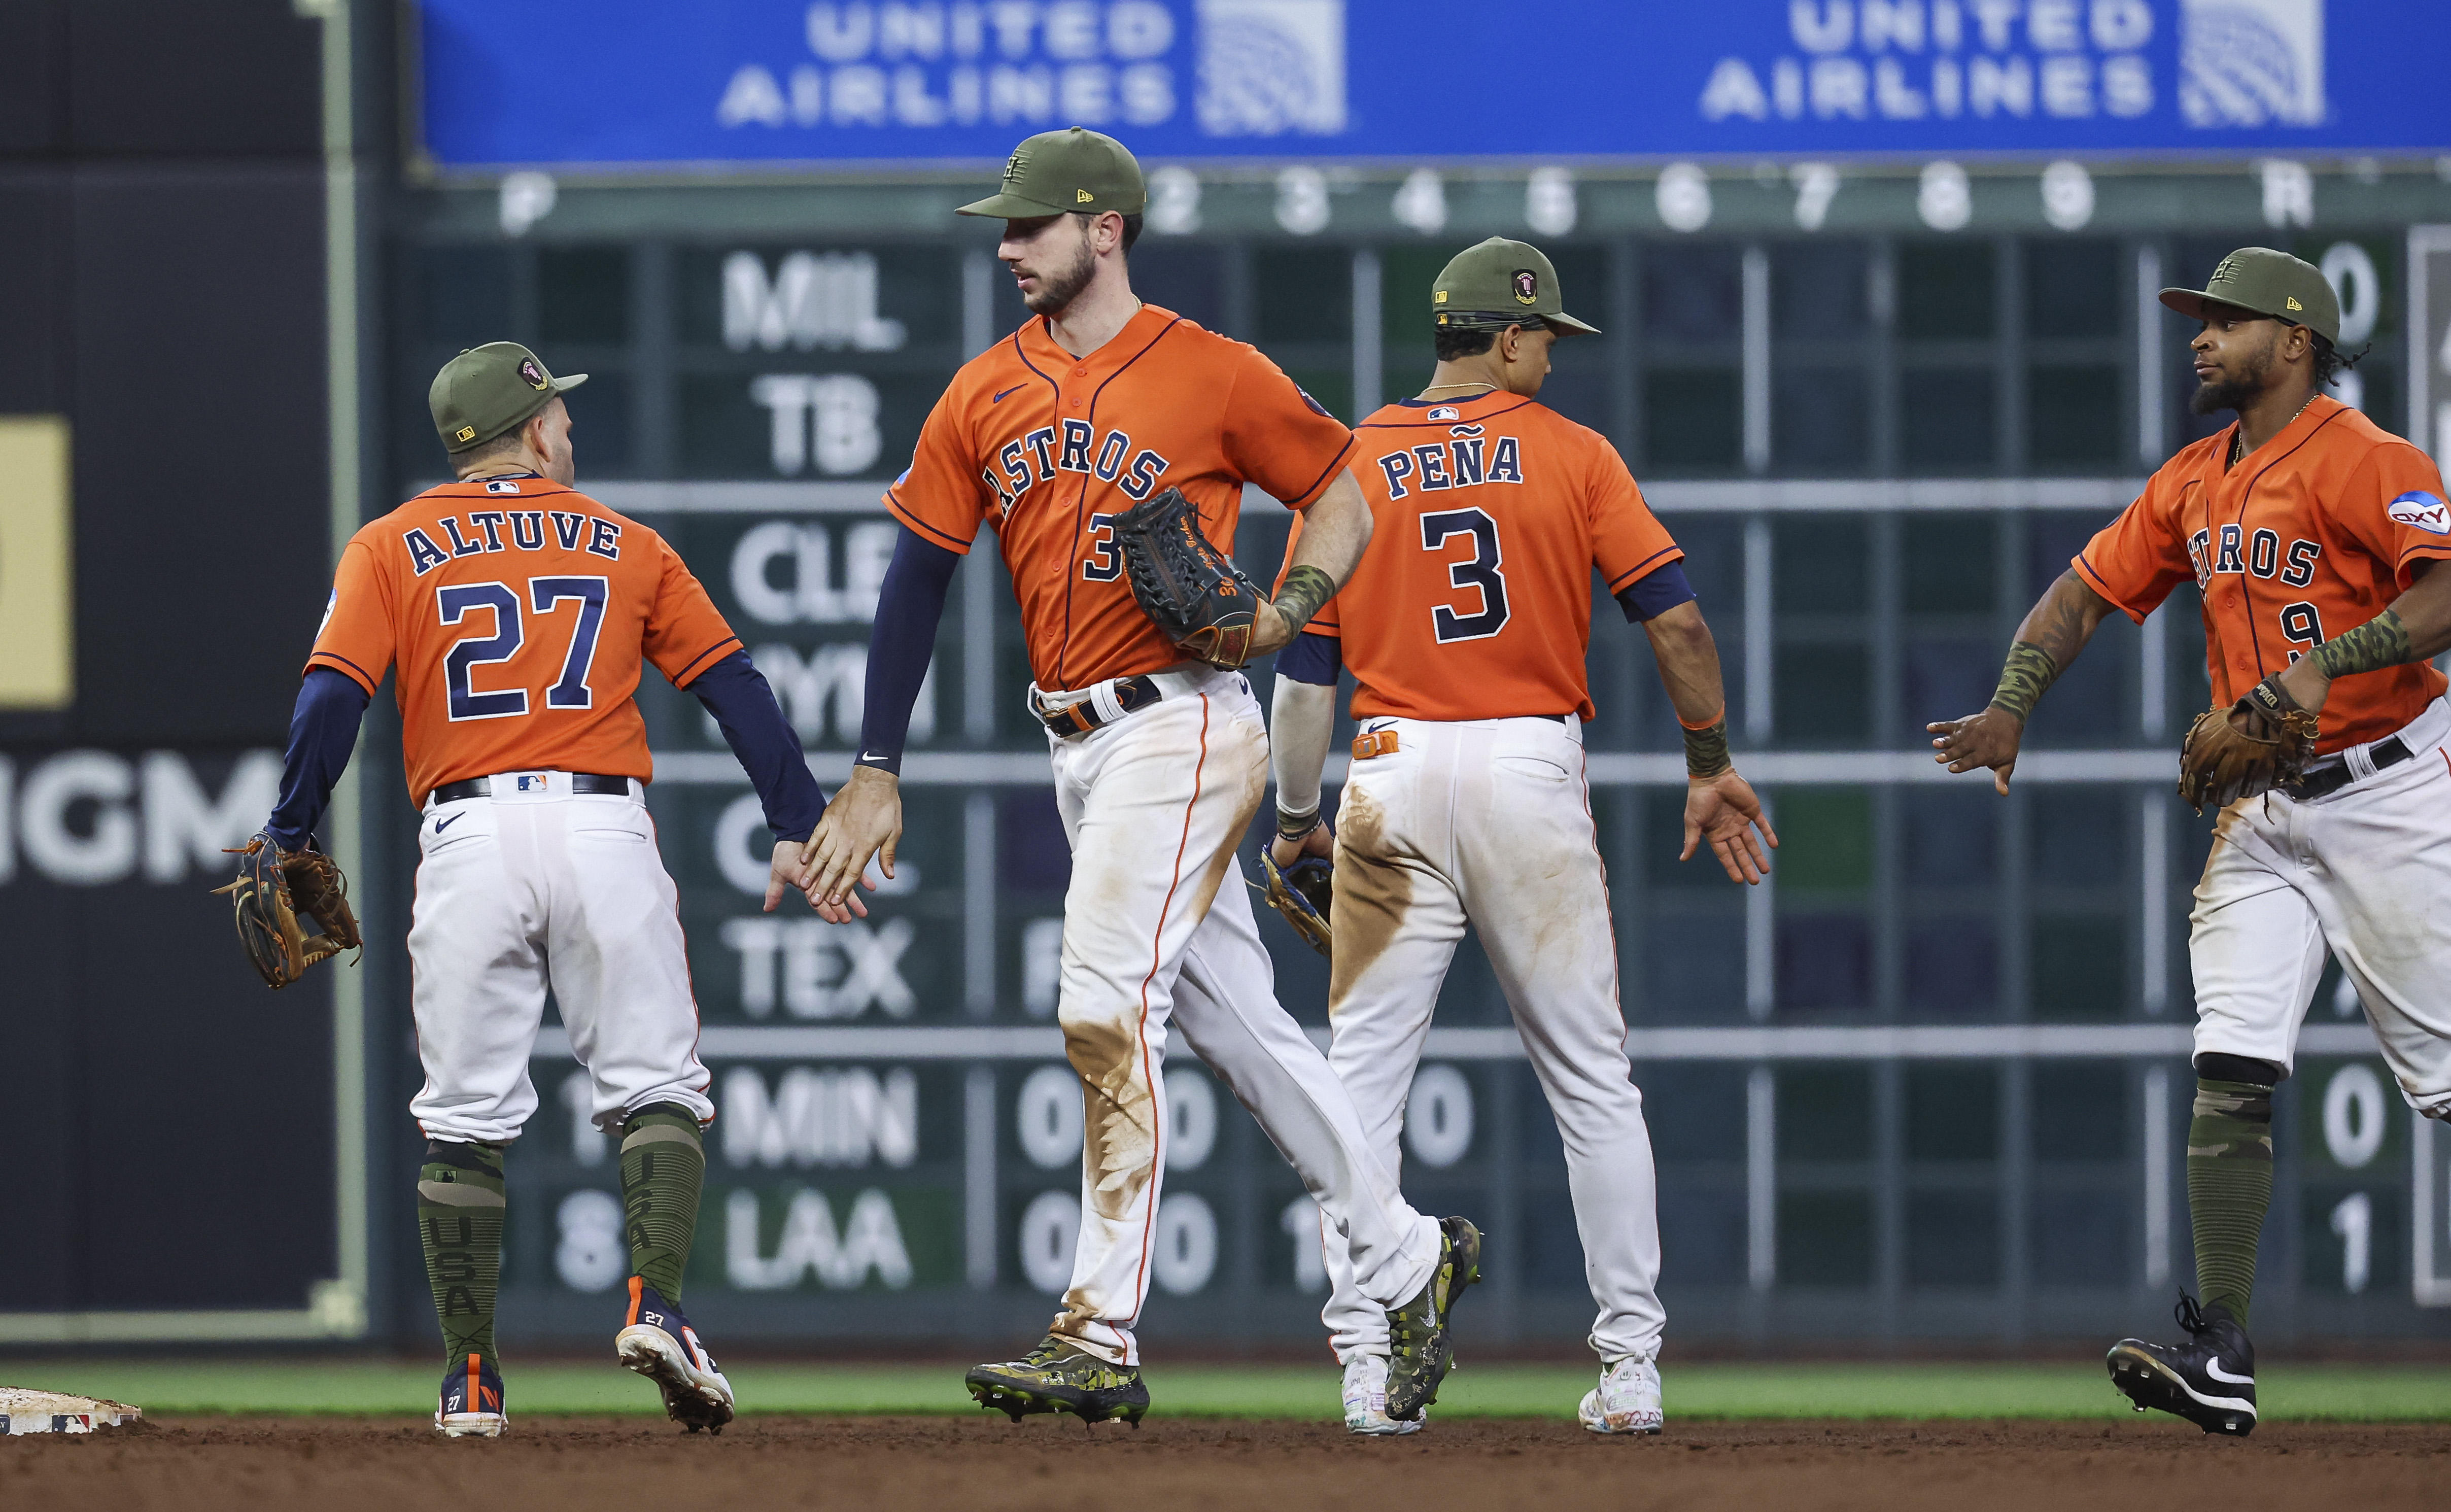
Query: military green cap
[
  {"x": 2263, "y": 281},
  {"x": 1499, "y": 283},
  {"x": 490, "y": 389},
  {"x": 1075, "y": 170}
]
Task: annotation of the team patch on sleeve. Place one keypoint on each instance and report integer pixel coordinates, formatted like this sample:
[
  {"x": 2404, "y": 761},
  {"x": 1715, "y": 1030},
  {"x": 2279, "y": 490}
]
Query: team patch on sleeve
[{"x": 2423, "y": 511}]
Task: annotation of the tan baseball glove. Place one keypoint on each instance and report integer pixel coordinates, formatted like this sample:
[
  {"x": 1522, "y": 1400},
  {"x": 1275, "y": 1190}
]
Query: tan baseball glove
[
  {"x": 2262, "y": 742},
  {"x": 1304, "y": 892},
  {"x": 273, "y": 888}
]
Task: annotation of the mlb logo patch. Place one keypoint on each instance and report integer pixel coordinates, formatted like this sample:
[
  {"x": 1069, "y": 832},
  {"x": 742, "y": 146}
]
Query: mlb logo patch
[
  {"x": 2423, "y": 511},
  {"x": 1446, "y": 412},
  {"x": 531, "y": 782},
  {"x": 502, "y": 485}
]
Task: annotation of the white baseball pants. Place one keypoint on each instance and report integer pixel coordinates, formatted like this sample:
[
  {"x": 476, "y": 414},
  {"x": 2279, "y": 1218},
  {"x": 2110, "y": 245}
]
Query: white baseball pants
[
  {"x": 1158, "y": 929},
  {"x": 535, "y": 886},
  {"x": 1490, "y": 820},
  {"x": 2365, "y": 875}
]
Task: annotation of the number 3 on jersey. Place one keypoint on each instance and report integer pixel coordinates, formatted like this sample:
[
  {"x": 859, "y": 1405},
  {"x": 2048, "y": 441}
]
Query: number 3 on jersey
[
  {"x": 570, "y": 691},
  {"x": 1478, "y": 571}
]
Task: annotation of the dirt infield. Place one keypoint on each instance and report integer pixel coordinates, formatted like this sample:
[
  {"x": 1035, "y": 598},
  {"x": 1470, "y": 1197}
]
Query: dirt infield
[{"x": 987, "y": 1465}]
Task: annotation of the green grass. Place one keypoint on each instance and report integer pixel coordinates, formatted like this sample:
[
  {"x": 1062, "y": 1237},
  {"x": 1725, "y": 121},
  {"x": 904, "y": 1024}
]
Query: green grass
[{"x": 2079, "y": 1389}]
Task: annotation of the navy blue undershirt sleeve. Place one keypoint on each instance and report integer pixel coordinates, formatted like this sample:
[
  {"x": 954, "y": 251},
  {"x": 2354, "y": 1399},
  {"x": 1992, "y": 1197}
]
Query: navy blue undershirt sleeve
[
  {"x": 767, "y": 747},
  {"x": 323, "y": 731},
  {"x": 910, "y": 606},
  {"x": 1655, "y": 592},
  {"x": 1312, "y": 659}
]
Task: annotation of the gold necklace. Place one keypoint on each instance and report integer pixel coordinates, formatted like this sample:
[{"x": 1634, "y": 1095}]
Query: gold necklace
[
  {"x": 1476, "y": 384},
  {"x": 2238, "y": 437}
]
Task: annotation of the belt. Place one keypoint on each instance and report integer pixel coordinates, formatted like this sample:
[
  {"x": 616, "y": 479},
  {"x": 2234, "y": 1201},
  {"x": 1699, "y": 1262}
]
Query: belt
[
  {"x": 1083, "y": 715},
  {"x": 484, "y": 787},
  {"x": 2325, "y": 781}
]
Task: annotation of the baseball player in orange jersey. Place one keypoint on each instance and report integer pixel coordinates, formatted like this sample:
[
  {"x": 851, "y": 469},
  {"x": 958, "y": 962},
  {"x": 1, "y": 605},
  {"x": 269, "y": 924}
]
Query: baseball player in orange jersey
[
  {"x": 2313, "y": 536},
  {"x": 1158, "y": 763},
  {"x": 1467, "y": 625},
  {"x": 519, "y": 612}
]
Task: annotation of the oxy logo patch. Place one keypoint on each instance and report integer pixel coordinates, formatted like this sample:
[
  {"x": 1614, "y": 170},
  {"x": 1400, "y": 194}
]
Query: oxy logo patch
[{"x": 2423, "y": 511}]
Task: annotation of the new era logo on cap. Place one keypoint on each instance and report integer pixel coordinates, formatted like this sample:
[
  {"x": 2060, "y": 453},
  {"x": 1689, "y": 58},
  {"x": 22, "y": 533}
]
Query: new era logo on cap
[
  {"x": 1083, "y": 197},
  {"x": 466, "y": 433}
]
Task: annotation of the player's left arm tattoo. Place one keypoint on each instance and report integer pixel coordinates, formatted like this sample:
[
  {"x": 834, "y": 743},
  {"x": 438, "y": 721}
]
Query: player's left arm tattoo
[
  {"x": 2381, "y": 642},
  {"x": 1305, "y": 589}
]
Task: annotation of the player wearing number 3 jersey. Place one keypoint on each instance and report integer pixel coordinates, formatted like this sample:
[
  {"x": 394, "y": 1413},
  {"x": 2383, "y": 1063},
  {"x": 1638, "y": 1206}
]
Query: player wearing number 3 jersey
[
  {"x": 2314, "y": 537},
  {"x": 1467, "y": 625},
  {"x": 520, "y": 614}
]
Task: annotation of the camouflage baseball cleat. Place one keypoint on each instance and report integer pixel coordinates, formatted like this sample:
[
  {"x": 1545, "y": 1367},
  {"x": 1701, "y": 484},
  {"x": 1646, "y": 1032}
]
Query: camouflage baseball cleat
[
  {"x": 1420, "y": 1348},
  {"x": 1059, "y": 1377}
]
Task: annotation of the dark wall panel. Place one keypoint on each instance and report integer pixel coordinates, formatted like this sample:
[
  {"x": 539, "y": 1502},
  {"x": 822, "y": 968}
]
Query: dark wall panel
[{"x": 201, "y": 454}]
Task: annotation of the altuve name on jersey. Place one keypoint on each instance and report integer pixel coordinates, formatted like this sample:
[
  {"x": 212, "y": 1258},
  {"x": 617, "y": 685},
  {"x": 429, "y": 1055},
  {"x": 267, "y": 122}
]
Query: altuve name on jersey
[
  {"x": 1011, "y": 474},
  {"x": 514, "y": 530},
  {"x": 2259, "y": 554},
  {"x": 1458, "y": 463}
]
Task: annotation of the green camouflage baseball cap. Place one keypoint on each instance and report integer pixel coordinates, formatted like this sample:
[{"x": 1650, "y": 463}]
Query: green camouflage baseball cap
[
  {"x": 490, "y": 389},
  {"x": 2263, "y": 281},
  {"x": 1075, "y": 170},
  {"x": 1499, "y": 283}
]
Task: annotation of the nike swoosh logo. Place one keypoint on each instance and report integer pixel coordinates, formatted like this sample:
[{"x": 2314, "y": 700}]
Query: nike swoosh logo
[
  {"x": 2213, "y": 1368},
  {"x": 999, "y": 398},
  {"x": 441, "y": 825}
]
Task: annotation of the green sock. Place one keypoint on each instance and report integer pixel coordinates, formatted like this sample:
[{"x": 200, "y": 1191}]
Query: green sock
[
  {"x": 663, "y": 1164},
  {"x": 2229, "y": 1185},
  {"x": 459, "y": 1220}
]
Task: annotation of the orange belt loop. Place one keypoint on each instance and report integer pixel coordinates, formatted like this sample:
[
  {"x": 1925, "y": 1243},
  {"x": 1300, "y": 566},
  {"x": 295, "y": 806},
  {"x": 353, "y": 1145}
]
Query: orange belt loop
[{"x": 1375, "y": 743}]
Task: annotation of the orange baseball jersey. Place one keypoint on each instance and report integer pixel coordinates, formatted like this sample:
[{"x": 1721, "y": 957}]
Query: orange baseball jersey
[
  {"x": 1046, "y": 448},
  {"x": 1474, "y": 601},
  {"x": 2310, "y": 535},
  {"x": 519, "y": 612}
]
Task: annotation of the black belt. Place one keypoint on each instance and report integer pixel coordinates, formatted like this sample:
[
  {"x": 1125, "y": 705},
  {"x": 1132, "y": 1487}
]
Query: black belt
[
  {"x": 484, "y": 787},
  {"x": 1083, "y": 717},
  {"x": 2325, "y": 781}
]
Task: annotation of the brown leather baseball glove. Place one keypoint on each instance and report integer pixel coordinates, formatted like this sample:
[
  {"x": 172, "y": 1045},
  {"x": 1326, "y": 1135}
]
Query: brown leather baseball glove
[
  {"x": 1304, "y": 892},
  {"x": 273, "y": 888},
  {"x": 2262, "y": 742},
  {"x": 1190, "y": 590}
]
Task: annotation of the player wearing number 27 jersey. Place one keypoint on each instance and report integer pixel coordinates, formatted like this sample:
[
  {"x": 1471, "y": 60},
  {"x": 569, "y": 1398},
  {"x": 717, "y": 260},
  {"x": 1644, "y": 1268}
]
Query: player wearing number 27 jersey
[
  {"x": 1465, "y": 625},
  {"x": 519, "y": 615}
]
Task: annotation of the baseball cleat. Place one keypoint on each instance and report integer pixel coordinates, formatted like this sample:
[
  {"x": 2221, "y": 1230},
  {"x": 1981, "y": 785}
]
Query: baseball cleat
[
  {"x": 1366, "y": 1398},
  {"x": 1421, "y": 1348},
  {"x": 2210, "y": 1380},
  {"x": 472, "y": 1406},
  {"x": 657, "y": 1342},
  {"x": 1059, "y": 1376},
  {"x": 1626, "y": 1400}
]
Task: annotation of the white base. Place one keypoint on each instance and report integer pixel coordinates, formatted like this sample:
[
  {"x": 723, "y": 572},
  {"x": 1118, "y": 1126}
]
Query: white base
[{"x": 24, "y": 1410}]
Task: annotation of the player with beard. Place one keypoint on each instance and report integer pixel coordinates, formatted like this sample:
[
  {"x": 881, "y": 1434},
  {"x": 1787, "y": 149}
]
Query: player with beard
[
  {"x": 1159, "y": 762},
  {"x": 2312, "y": 534}
]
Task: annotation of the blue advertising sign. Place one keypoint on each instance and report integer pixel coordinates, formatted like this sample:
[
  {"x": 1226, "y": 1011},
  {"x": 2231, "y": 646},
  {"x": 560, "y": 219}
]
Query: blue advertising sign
[{"x": 614, "y": 83}]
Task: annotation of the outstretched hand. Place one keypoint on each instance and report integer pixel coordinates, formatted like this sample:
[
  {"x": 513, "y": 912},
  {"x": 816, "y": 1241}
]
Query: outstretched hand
[
  {"x": 863, "y": 821},
  {"x": 1724, "y": 811},
  {"x": 1987, "y": 740}
]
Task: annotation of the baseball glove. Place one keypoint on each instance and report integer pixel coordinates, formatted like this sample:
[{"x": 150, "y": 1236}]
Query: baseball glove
[
  {"x": 1189, "y": 589},
  {"x": 2262, "y": 742},
  {"x": 1303, "y": 893},
  {"x": 273, "y": 888}
]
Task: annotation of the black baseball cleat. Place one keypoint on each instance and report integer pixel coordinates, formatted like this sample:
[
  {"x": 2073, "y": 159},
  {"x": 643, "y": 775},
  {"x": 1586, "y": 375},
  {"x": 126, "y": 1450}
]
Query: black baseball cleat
[
  {"x": 1059, "y": 1377},
  {"x": 1421, "y": 1342},
  {"x": 2210, "y": 1380}
]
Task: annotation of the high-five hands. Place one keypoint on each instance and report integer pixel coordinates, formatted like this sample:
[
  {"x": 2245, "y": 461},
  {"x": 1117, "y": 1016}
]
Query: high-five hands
[{"x": 864, "y": 821}]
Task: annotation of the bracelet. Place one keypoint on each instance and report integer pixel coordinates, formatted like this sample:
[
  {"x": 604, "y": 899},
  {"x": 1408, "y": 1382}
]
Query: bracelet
[{"x": 1706, "y": 750}]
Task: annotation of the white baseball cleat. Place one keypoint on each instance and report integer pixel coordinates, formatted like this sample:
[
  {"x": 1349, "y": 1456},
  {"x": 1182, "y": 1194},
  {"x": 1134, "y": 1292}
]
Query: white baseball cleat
[
  {"x": 472, "y": 1405},
  {"x": 1366, "y": 1398},
  {"x": 1626, "y": 1400},
  {"x": 657, "y": 1342}
]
